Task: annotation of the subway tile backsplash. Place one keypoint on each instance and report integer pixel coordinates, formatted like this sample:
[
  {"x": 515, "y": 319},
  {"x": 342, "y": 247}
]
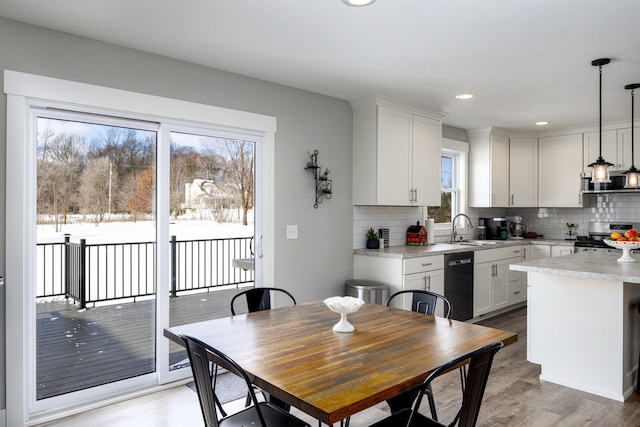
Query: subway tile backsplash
[
  {"x": 395, "y": 218},
  {"x": 550, "y": 222}
]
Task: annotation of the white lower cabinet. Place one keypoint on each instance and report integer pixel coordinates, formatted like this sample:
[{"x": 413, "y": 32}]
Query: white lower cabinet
[
  {"x": 517, "y": 283},
  {"x": 432, "y": 280},
  {"x": 531, "y": 252},
  {"x": 558, "y": 250},
  {"x": 423, "y": 273},
  {"x": 493, "y": 285}
]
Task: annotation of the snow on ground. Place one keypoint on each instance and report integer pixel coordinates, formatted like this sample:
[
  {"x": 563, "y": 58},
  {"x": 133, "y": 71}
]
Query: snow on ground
[{"x": 141, "y": 231}]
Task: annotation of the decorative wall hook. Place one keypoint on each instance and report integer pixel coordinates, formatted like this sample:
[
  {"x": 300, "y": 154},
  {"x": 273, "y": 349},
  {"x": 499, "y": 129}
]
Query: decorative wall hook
[{"x": 324, "y": 186}]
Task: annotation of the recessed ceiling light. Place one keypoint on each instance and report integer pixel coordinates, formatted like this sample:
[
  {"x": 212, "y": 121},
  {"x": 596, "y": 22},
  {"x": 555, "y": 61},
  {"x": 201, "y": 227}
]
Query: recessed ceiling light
[
  {"x": 465, "y": 96},
  {"x": 542, "y": 123},
  {"x": 357, "y": 3}
]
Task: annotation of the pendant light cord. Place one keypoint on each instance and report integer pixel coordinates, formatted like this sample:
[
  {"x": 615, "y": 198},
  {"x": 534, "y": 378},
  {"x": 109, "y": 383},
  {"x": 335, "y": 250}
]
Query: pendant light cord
[
  {"x": 632, "y": 103},
  {"x": 600, "y": 102}
]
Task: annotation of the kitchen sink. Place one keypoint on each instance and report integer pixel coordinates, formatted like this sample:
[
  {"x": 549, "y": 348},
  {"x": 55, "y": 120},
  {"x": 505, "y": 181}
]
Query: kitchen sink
[{"x": 477, "y": 242}]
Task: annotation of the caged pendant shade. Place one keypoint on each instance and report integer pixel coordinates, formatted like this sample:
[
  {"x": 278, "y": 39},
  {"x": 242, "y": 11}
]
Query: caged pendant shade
[
  {"x": 631, "y": 180},
  {"x": 600, "y": 166}
]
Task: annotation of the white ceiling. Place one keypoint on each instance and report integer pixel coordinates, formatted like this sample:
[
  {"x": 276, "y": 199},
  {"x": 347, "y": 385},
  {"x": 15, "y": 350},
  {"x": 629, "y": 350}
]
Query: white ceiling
[{"x": 525, "y": 60}]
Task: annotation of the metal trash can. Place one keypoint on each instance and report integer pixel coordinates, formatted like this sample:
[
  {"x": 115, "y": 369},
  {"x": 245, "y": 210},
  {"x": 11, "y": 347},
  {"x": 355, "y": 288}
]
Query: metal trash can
[{"x": 367, "y": 290}]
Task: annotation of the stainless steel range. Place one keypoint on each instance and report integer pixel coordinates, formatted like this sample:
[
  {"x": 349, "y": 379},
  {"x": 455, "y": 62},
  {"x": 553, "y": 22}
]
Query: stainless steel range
[{"x": 598, "y": 231}]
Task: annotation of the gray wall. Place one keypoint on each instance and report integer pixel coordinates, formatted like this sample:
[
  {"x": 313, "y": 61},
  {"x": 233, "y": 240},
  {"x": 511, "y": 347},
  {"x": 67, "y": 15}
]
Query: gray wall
[{"x": 312, "y": 267}]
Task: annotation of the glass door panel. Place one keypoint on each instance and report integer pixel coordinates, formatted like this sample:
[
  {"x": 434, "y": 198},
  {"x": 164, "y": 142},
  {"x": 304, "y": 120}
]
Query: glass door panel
[
  {"x": 211, "y": 198},
  {"x": 95, "y": 305}
]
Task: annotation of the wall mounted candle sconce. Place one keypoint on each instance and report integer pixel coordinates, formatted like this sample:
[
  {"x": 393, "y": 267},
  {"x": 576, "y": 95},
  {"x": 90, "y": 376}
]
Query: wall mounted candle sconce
[{"x": 324, "y": 186}]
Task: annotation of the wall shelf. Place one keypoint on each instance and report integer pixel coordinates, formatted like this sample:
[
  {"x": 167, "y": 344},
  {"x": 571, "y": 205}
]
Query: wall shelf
[{"x": 324, "y": 186}]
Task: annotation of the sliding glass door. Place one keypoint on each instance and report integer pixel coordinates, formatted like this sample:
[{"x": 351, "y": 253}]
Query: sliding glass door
[
  {"x": 98, "y": 238},
  {"x": 120, "y": 207}
]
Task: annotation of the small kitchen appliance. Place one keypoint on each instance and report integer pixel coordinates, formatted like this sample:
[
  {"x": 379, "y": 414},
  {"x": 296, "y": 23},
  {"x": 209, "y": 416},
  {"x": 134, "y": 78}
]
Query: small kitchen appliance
[
  {"x": 495, "y": 228},
  {"x": 515, "y": 226}
]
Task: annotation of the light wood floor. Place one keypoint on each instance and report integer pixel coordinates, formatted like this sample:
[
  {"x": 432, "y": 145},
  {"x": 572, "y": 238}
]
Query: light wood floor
[{"x": 514, "y": 397}]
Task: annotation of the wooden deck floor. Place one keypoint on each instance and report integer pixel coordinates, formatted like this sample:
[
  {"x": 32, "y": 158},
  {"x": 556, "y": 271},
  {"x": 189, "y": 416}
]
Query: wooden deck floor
[{"x": 81, "y": 349}]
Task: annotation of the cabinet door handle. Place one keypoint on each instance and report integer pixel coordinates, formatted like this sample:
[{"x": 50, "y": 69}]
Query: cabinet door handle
[
  {"x": 512, "y": 199},
  {"x": 415, "y": 195},
  {"x": 427, "y": 283},
  {"x": 516, "y": 252},
  {"x": 426, "y": 264}
]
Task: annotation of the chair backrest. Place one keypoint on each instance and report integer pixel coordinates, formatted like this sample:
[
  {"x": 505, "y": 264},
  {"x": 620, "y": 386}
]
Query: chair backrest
[
  {"x": 200, "y": 354},
  {"x": 258, "y": 299},
  {"x": 480, "y": 361},
  {"x": 424, "y": 302}
]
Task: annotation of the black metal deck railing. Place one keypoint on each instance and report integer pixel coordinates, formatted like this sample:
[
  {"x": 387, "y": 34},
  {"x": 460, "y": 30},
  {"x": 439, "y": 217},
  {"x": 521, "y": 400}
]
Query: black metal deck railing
[{"x": 91, "y": 273}]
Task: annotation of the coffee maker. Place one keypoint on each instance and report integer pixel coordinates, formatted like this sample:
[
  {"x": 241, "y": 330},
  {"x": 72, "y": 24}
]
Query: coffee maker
[
  {"x": 495, "y": 228},
  {"x": 515, "y": 227}
]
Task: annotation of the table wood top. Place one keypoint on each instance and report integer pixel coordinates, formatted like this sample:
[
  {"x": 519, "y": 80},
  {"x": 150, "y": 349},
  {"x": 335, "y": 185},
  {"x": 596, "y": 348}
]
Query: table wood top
[{"x": 297, "y": 357}]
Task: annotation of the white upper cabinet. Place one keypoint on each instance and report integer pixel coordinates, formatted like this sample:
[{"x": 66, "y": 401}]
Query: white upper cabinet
[
  {"x": 591, "y": 149},
  {"x": 624, "y": 148},
  {"x": 426, "y": 164},
  {"x": 523, "y": 172},
  {"x": 396, "y": 155},
  {"x": 560, "y": 164},
  {"x": 488, "y": 169}
]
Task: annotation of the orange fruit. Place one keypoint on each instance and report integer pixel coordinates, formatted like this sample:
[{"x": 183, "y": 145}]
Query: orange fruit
[
  {"x": 622, "y": 239},
  {"x": 615, "y": 235}
]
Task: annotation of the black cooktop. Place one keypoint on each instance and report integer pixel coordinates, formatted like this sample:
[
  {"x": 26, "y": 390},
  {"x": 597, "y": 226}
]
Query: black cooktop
[{"x": 590, "y": 243}]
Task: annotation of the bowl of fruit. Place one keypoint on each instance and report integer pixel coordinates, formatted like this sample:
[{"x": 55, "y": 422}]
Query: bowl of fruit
[{"x": 627, "y": 241}]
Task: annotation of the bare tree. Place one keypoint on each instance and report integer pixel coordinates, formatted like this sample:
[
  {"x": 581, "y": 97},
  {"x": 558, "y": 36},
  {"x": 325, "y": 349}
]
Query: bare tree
[
  {"x": 94, "y": 188},
  {"x": 239, "y": 171},
  {"x": 60, "y": 162},
  {"x": 139, "y": 192}
]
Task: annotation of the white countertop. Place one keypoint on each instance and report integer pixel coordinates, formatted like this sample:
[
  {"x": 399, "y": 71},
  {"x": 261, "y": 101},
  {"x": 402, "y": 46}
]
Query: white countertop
[
  {"x": 447, "y": 248},
  {"x": 588, "y": 265}
]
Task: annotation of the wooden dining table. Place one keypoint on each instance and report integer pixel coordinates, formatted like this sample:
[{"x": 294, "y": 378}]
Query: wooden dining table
[{"x": 295, "y": 355}]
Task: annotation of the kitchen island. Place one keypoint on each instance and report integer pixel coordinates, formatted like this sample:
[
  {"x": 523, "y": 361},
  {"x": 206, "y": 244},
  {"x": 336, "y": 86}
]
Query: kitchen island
[{"x": 583, "y": 326}]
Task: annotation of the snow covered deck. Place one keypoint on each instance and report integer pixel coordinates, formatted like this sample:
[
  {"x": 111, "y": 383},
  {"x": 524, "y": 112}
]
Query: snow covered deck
[{"x": 110, "y": 343}]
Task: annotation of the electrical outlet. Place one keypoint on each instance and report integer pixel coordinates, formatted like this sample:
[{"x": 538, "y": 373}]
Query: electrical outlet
[{"x": 292, "y": 231}]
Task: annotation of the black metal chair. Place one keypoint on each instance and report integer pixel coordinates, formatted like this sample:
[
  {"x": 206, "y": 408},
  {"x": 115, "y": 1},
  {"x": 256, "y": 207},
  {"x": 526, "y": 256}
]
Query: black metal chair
[
  {"x": 260, "y": 413},
  {"x": 258, "y": 299},
  {"x": 422, "y": 302},
  {"x": 478, "y": 373}
]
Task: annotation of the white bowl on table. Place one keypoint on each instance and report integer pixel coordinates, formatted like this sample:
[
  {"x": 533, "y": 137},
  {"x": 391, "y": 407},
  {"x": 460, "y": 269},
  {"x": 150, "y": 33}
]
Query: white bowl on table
[
  {"x": 626, "y": 247},
  {"x": 343, "y": 306}
]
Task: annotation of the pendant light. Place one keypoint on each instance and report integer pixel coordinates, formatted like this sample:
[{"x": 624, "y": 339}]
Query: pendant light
[
  {"x": 600, "y": 166},
  {"x": 632, "y": 177}
]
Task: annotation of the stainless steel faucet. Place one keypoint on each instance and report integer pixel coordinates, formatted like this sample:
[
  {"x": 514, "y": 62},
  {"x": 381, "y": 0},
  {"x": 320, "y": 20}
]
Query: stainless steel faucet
[{"x": 454, "y": 233}]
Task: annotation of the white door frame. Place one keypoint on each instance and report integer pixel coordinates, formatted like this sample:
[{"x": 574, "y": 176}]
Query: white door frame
[{"x": 22, "y": 91}]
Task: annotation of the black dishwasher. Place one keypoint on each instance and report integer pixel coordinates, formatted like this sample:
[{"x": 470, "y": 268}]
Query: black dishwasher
[{"x": 458, "y": 284}]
